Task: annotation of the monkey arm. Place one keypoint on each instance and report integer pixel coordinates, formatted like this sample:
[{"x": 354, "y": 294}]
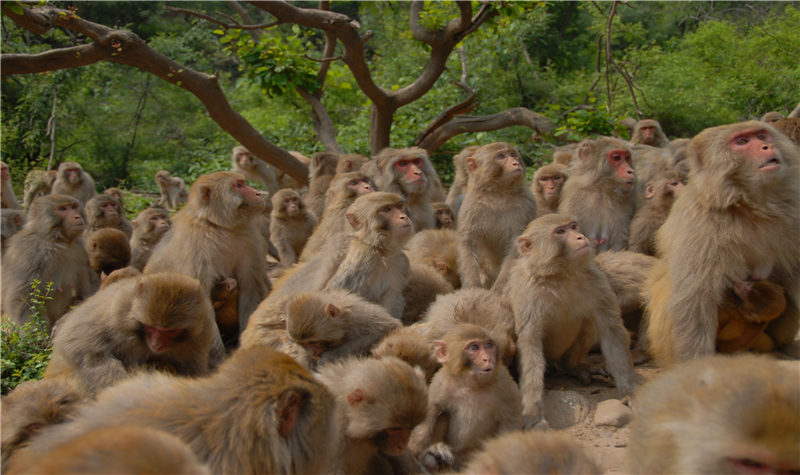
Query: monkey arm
[
  {"x": 532, "y": 362},
  {"x": 614, "y": 341}
]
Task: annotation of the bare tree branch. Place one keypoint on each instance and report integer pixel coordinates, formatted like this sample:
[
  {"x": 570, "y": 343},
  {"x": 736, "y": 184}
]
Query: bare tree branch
[
  {"x": 227, "y": 26},
  {"x": 124, "y": 47}
]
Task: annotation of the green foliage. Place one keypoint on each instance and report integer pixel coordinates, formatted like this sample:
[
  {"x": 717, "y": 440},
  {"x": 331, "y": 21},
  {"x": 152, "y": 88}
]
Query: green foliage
[
  {"x": 26, "y": 348},
  {"x": 582, "y": 122}
]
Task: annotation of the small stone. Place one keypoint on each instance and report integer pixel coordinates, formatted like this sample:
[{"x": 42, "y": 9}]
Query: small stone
[
  {"x": 564, "y": 409},
  {"x": 612, "y": 413}
]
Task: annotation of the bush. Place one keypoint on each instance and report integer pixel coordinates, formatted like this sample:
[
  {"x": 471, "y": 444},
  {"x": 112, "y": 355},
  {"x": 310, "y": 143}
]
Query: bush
[{"x": 26, "y": 348}]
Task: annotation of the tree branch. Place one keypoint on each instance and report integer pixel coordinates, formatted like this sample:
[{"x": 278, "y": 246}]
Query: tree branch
[{"x": 227, "y": 26}]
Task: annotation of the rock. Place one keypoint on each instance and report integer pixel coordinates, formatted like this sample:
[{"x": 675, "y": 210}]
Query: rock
[
  {"x": 612, "y": 413},
  {"x": 563, "y": 409}
]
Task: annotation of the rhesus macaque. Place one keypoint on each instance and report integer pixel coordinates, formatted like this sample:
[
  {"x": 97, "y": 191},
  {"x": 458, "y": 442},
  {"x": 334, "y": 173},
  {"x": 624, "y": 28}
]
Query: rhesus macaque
[
  {"x": 120, "y": 274},
  {"x": 436, "y": 248},
  {"x": 148, "y": 229},
  {"x": 409, "y": 172},
  {"x": 7, "y": 198},
  {"x": 627, "y": 272},
  {"x": 351, "y": 162},
  {"x": 172, "y": 188},
  {"x": 718, "y": 414},
  {"x": 161, "y": 321},
  {"x": 11, "y": 222},
  {"x": 659, "y": 194},
  {"x": 369, "y": 262},
  {"x": 115, "y": 193},
  {"x": 563, "y": 155},
  {"x": 497, "y": 206},
  {"x": 560, "y": 298},
  {"x": 790, "y": 127},
  {"x": 254, "y": 169},
  {"x": 425, "y": 283},
  {"x": 108, "y": 250},
  {"x": 334, "y": 324},
  {"x": 532, "y": 452},
  {"x": 410, "y": 345},
  {"x": 735, "y": 222},
  {"x": 260, "y": 412},
  {"x": 378, "y": 403},
  {"x": 599, "y": 192},
  {"x": 32, "y": 406},
  {"x": 290, "y": 225},
  {"x": 224, "y": 298},
  {"x": 320, "y": 174},
  {"x": 343, "y": 190},
  {"x": 37, "y": 183},
  {"x": 649, "y": 132},
  {"x": 48, "y": 249},
  {"x": 548, "y": 181},
  {"x": 745, "y": 313},
  {"x": 471, "y": 399},
  {"x": 72, "y": 180},
  {"x": 104, "y": 211},
  {"x": 455, "y": 196},
  {"x": 121, "y": 450},
  {"x": 445, "y": 219},
  {"x": 772, "y": 117},
  {"x": 217, "y": 233}
]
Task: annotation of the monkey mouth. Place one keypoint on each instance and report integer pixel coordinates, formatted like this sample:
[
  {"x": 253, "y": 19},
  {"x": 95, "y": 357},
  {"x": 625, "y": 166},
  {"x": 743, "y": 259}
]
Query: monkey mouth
[{"x": 770, "y": 164}]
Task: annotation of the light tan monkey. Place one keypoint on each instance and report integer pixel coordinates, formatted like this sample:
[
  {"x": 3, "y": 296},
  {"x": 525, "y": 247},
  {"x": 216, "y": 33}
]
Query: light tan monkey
[
  {"x": 548, "y": 181},
  {"x": 718, "y": 414},
  {"x": 103, "y": 211},
  {"x": 253, "y": 169},
  {"x": 172, "y": 188},
  {"x": 772, "y": 117},
  {"x": 648, "y": 132},
  {"x": 148, "y": 229},
  {"x": 660, "y": 193},
  {"x": 290, "y": 225},
  {"x": 37, "y": 183},
  {"x": 411, "y": 345},
  {"x": 497, "y": 206},
  {"x": 733, "y": 223},
  {"x": 436, "y": 248},
  {"x": 72, "y": 180}
]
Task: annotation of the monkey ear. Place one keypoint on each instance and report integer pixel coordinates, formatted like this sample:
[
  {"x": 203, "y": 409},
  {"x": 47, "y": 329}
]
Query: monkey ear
[
  {"x": 440, "y": 351},
  {"x": 332, "y": 310},
  {"x": 205, "y": 193},
  {"x": 472, "y": 164},
  {"x": 287, "y": 410},
  {"x": 525, "y": 245},
  {"x": 356, "y": 396},
  {"x": 649, "y": 191},
  {"x": 348, "y": 165},
  {"x": 585, "y": 150},
  {"x": 355, "y": 223}
]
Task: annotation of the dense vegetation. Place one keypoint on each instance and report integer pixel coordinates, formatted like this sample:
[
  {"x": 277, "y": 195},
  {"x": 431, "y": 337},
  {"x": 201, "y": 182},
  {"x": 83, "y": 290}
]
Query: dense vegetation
[{"x": 691, "y": 65}]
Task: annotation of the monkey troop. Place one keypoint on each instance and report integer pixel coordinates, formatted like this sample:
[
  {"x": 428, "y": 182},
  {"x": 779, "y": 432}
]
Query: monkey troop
[{"x": 379, "y": 323}]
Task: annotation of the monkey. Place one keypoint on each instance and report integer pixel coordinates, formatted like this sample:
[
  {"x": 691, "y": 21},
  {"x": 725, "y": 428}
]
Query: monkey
[
  {"x": 744, "y": 314},
  {"x": 626, "y": 272},
  {"x": 148, "y": 229},
  {"x": 48, "y": 249},
  {"x": 410, "y": 345},
  {"x": 224, "y": 297},
  {"x": 72, "y": 180},
  {"x": 659, "y": 194},
  {"x": 718, "y": 414},
  {"x": 472, "y": 398},
  {"x": 731, "y": 224},
  {"x": 7, "y": 198},
  {"x": 217, "y": 233},
  {"x": 11, "y": 222},
  {"x": 772, "y": 117},
  {"x": 560, "y": 298},
  {"x": 445, "y": 219},
  {"x": 563, "y": 155},
  {"x": 497, "y": 206},
  {"x": 343, "y": 190},
  {"x": 409, "y": 172},
  {"x": 378, "y": 403},
  {"x": 161, "y": 321},
  {"x": 120, "y": 274},
  {"x": 336, "y": 323},
  {"x": 103, "y": 211},
  {"x": 321, "y": 171},
  {"x": 37, "y": 183},
  {"x": 260, "y": 412},
  {"x": 425, "y": 283},
  {"x": 115, "y": 193},
  {"x": 254, "y": 169},
  {"x": 369, "y": 262},
  {"x": 599, "y": 193},
  {"x": 108, "y": 250},
  {"x": 436, "y": 248},
  {"x": 172, "y": 188},
  {"x": 290, "y": 225},
  {"x": 32, "y": 406},
  {"x": 548, "y": 181},
  {"x": 455, "y": 196},
  {"x": 790, "y": 127},
  {"x": 351, "y": 162},
  {"x": 532, "y": 452},
  {"x": 649, "y": 132},
  {"x": 120, "y": 450}
]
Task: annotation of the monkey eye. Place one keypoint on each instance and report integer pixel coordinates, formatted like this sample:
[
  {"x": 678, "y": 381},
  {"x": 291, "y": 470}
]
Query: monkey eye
[
  {"x": 560, "y": 230},
  {"x": 402, "y": 163},
  {"x": 489, "y": 344},
  {"x": 573, "y": 226},
  {"x": 353, "y": 182},
  {"x": 673, "y": 183},
  {"x": 741, "y": 140},
  {"x": 473, "y": 347},
  {"x": 763, "y": 136},
  {"x": 386, "y": 209}
]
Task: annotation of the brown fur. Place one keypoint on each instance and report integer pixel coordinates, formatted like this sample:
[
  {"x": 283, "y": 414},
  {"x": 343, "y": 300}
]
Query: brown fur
[
  {"x": 436, "y": 248},
  {"x": 148, "y": 229},
  {"x": 172, "y": 188},
  {"x": 11, "y": 222},
  {"x": 37, "y": 183},
  {"x": 320, "y": 174},
  {"x": 254, "y": 169},
  {"x": 410, "y": 345},
  {"x": 72, "y": 180},
  {"x": 108, "y": 250},
  {"x": 105, "y": 211},
  {"x": 290, "y": 225},
  {"x": 548, "y": 204},
  {"x": 425, "y": 283},
  {"x": 659, "y": 195},
  {"x": 455, "y": 196},
  {"x": 658, "y": 139}
]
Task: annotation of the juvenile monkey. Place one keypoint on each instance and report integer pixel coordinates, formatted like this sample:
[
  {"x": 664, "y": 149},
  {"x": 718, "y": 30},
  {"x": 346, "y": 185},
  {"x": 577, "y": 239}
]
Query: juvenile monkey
[
  {"x": 659, "y": 194},
  {"x": 290, "y": 225},
  {"x": 336, "y": 323},
  {"x": 172, "y": 188},
  {"x": 103, "y": 211},
  {"x": 148, "y": 229},
  {"x": 410, "y": 345},
  {"x": 108, "y": 250},
  {"x": 37, "y": 183},
  {"x": 718, "y": 414},
  {"x": 497, "y": 206},
  {"x": 73, "y": 181},
  {"x": 472, "y": 398},
  {"x": 548, "y": 181},
  {"x": 378, "y": 403},
  {"x": 162, "y": 321},
  {"x": 560, "y": 298},
  {"x": 445, "y": 219},
  {"x": 745, "y": 313},
  {"x": 648, "y": 132},
  {"x": 409, "y": 172},
  {"x": 253, "y": 169},
  {"x": 7, "y": 198},
  {"x": 224, "y": 297}
]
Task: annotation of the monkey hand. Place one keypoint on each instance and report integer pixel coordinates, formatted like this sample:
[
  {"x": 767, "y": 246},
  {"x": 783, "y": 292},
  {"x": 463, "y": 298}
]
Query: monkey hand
[{"x": 438, "y": 458}]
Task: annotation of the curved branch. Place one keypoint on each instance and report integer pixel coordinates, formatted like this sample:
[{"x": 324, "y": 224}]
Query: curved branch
[
  {"x": 464, "y": 107},
  {"x": 323, "y": 124},
  {"x": 419, "y": 32},
  {"x": 508, "y": 118},
  {"x": 63, "y": 58}
]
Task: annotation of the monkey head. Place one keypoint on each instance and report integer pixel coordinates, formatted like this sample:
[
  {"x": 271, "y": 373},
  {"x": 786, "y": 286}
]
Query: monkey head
[
  {"x": 469, "y": 352},
  {"x": 323, "y": 163},
  {"x": 288, "y": 203},
  {"x": 315, "y": 324},
  {"x": 444, "y": 216},
  {"x": 224, "y": 199},
  {"x": 71, "y": 172},
  {"x": 104, "y": 210},
  {"x": 553, "y": 240},
  {"x": 59, "y": 215},
  {"x": 242, "y": 158},
  {"x": 549, "y": 180},
  {"x": 380, "y": 220},
  {"x": 108, "y": 249},
  {"x": 408, "y": 169},
  {"x": 152, "y": 221},
  {"x": 351, "y": 184},
  {"x": 496, "y": 165}
]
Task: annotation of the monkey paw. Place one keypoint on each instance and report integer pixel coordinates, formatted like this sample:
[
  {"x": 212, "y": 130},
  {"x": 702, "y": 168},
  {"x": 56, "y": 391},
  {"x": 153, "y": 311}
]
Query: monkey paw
[{"x": 438, "y": 457}]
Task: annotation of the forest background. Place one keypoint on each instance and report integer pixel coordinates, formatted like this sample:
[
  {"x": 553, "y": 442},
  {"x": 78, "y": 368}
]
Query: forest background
[{"x": 582, "y": 65}]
